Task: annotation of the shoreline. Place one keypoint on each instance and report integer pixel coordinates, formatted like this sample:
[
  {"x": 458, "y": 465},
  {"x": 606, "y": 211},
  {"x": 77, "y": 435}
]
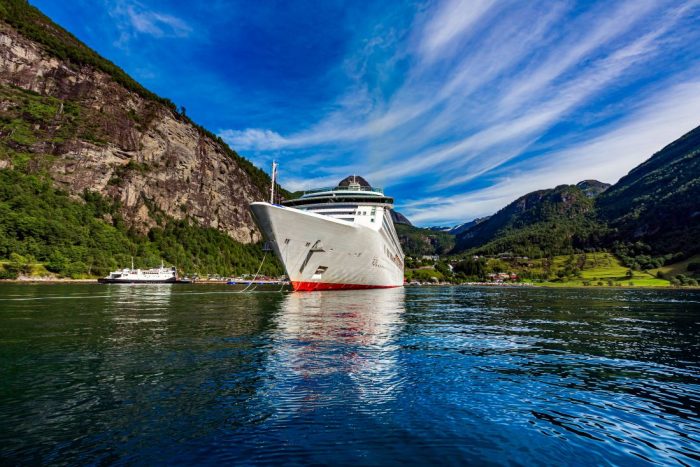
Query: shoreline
[
  {"x": 64, "y": 280},
  {"x": 53, "y": 281}
]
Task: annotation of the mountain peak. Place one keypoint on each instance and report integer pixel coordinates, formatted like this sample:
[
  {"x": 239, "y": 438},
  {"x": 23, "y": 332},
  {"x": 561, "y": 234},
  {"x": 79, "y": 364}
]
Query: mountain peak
[
  {"x": 592, "y": 188},
  {"x": 399, "y": 218}
]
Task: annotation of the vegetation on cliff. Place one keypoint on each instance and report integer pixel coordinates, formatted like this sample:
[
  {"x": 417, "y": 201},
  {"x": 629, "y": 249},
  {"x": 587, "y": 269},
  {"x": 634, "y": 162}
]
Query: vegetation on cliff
[
  {"x": 34, "y": 25},
  {"x": 35, "y": 125},
  {"x": 654, "y": 211},
  {"x": 417, "y": 242},
  {"x": 543, "y": 223},
  {"x": 88, "y": 237}
]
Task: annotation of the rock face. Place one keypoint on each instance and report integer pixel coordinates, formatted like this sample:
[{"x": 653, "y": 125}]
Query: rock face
[{"x": 132, "y": 149}]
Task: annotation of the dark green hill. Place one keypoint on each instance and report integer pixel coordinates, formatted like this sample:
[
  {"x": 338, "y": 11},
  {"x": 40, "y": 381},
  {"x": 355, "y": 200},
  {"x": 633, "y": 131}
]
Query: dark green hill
[
  {"x": 75, "y": 238},
  {"x": 399, "y": 218},
  {"x": 541, "y": 223},
  {"x": 658, "y": 202},
  {"x": 417, "y": 242}
]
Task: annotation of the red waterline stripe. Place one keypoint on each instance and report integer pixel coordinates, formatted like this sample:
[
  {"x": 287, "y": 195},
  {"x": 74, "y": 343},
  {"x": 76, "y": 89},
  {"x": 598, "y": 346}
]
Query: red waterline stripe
[{"x": 310, "y": 286}]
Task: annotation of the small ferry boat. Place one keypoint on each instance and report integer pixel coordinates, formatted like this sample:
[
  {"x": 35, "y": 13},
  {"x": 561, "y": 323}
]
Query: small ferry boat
[{"x": 161, "y": 275}]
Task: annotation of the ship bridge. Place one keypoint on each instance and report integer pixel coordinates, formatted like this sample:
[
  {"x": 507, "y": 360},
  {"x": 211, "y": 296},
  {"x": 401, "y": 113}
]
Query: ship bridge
[
  {"x": 353, "y": 200},
  {"x": 352, "y": 189}
]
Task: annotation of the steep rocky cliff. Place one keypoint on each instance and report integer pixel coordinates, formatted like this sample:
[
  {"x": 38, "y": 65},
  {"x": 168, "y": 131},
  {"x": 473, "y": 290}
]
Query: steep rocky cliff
[{"x": 90, "y": 131}]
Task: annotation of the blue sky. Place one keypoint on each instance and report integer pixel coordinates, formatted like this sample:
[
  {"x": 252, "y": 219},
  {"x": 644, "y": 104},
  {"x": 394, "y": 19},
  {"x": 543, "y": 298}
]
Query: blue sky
[{"x": 455, "y": 107}]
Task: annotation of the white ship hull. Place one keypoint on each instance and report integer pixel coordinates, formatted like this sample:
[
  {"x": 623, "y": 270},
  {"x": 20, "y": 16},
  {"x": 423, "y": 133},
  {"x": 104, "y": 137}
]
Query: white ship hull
[{"x": 321, "y": 252}]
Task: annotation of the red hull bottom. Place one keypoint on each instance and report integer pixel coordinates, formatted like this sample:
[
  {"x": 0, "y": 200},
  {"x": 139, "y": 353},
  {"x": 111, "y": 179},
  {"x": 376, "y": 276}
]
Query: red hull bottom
[{"x": 311, "y": 286}]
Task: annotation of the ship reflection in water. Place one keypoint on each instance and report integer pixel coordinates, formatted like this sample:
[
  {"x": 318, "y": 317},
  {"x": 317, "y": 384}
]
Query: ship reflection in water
[
  {"x": 343, "y": 340},
  {"x": 140, "y": 308}
]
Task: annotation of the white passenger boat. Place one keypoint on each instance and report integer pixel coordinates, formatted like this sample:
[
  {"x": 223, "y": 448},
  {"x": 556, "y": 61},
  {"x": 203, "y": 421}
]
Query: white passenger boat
[{"x": 161, "y": 275}]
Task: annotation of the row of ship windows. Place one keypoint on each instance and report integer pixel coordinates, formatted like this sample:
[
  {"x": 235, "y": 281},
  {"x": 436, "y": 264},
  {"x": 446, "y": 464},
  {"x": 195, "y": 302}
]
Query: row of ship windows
[
  {"x": 144, "y": 272},
  {"x": 353, "y": 213},
  {"x": 351, "y": 219}
]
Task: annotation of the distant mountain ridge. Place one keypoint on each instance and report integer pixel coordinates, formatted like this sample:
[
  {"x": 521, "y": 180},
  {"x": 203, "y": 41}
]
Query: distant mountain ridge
[
  {"x": 544, "y": 222},
  {"x": 656, "y": 207},
  {"x": 458, "y": 229}
]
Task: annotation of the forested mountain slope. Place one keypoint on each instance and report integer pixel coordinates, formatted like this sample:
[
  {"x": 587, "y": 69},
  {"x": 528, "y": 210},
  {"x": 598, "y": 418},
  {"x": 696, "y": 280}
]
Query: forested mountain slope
[
  {"x": 76, "y": 121},
  {"x": 417, "y": 242},
  {"x": 650, "y": 216},
  {"x": 658, "y": 202},
  {"x": 544, "y": 222},
  {"x": 80, "y": 118}
]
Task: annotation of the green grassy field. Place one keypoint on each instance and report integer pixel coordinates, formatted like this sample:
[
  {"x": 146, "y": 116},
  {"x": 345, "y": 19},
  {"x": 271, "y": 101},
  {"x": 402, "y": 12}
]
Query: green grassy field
[
  {"x": 601, "y": 269},
  {"x": 675, "y": 269}
]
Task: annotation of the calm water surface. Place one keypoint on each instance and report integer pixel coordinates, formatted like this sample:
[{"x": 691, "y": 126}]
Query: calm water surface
[{"x": 198, "y": 374}]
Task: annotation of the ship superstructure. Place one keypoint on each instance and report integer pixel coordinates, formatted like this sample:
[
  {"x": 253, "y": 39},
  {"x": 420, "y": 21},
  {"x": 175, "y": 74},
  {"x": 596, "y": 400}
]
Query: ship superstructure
[{"x": 340, "y": 237}]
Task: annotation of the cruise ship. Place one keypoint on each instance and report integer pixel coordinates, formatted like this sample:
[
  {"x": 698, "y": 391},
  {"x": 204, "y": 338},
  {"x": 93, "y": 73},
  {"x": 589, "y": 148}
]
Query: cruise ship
[{"x": 341, "y": 237}]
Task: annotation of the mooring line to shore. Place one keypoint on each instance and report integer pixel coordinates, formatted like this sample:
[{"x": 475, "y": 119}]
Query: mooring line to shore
[{"x": 252, "y": 282}]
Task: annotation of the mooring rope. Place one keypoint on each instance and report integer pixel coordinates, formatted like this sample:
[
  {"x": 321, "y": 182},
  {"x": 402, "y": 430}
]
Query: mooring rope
[{"x": 256, "y": 275}]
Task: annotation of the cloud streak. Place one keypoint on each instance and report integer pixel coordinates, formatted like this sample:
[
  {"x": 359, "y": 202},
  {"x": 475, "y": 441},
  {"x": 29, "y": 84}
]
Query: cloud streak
[
  {"x": 133, "y": 19},
  {"x": 490, "y": 96},
  {"x": 607, "y": 157}
]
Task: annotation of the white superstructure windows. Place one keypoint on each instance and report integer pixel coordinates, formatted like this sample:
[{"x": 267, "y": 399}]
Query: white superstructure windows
[{"x": 349, "y": 212}]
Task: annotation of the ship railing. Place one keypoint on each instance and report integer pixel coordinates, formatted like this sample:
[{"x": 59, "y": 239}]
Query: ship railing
[{"x": 375, "y": 189}]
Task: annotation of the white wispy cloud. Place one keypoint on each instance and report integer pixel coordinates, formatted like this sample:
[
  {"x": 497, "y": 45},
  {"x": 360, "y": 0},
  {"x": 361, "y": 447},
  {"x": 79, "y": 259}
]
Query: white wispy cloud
[
  {"x": 606, "y": 157},
  {"x": 584, "y": 43},
  {"x": 450, "y": 21},
  {"x": 132, "y": 18},
  {"x": 485, "y": 86},
  {"x": 157, "y": 24},
  {"x": 253, "y": 138},
  {"x": 513, "y": 125}
]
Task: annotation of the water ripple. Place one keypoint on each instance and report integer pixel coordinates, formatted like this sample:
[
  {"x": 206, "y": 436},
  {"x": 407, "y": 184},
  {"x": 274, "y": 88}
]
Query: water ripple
[{"x": 163, "y": 375}]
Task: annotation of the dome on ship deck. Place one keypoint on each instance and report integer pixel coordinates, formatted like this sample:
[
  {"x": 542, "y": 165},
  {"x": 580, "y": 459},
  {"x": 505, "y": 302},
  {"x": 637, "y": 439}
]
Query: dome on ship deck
[{"x": 351, "y": 179}]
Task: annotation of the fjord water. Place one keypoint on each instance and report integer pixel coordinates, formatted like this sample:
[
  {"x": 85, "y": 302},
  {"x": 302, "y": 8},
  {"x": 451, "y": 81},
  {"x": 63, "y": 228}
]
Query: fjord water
[{"x": 200, "y": 374}]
